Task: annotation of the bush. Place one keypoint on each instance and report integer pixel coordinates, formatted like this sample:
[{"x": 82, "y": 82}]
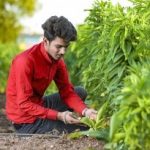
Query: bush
[
  {"x": 130, "y": 125},
  {"x": 112, "y": 40}
]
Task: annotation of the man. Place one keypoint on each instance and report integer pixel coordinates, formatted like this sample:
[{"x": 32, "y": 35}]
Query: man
[{"x": 31, "y": 73}]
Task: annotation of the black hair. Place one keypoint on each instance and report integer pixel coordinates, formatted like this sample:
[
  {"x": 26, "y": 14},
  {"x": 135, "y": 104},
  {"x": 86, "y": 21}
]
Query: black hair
[{"x": 61, "y": 27}]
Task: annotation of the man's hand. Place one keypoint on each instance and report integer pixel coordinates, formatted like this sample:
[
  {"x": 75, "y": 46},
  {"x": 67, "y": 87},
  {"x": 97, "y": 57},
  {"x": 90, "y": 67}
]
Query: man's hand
[
  {"x": 67, "y": 117},
  {"x": 90, "y": 113}
]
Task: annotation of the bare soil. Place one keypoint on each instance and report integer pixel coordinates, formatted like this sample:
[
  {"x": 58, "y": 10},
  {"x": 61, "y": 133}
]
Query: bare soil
[{"x": 10, "y": 141}]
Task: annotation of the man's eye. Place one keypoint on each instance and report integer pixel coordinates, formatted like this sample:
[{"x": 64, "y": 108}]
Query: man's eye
[{"x": 58, "y": 46}]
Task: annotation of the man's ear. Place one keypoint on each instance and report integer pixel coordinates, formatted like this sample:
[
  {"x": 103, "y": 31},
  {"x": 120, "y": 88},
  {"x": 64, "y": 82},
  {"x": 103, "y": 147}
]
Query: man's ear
[{"x": 45, "y": 41}]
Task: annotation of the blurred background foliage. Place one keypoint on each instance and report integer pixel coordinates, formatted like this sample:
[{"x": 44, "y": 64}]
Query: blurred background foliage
[
  {"x": 11, "y": 11},
  {"x": 7, "y": 52}
]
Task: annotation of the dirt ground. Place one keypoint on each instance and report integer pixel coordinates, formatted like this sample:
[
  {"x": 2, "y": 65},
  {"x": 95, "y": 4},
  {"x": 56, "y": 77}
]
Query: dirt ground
[{"x": 9, "y": 141}]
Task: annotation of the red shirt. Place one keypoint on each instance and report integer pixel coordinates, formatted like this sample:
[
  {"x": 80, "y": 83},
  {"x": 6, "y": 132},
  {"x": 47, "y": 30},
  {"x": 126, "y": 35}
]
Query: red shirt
[{"x": 30, "y": 74}]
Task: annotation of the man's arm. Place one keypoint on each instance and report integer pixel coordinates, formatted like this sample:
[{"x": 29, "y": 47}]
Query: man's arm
[
  {"x": 66, "y": 89},
  {"x": 68, "y": 94},
  {"x": 25, "y": 95}
]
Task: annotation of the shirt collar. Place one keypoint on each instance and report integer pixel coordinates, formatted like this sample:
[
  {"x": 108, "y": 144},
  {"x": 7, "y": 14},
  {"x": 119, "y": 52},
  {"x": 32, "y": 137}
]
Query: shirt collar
[{"x": 48, "y": 58}]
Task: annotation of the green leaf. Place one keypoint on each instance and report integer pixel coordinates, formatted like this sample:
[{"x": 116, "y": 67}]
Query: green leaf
[
  {"x": 101, "y": 111},
  {"x": 114, "y": 30},
  {"x": 116, "y": 121},
  {"x": 101, "y": 134},
  {"x": 118, "y": 57},
  {"x": 90, "y": 123},
  {"x": 98, "y": 124},
  {"x": 75, "y": 135}
]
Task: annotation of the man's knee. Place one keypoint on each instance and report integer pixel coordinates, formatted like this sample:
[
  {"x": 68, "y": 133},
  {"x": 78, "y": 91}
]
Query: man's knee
[{"x": 81, "y": 92}]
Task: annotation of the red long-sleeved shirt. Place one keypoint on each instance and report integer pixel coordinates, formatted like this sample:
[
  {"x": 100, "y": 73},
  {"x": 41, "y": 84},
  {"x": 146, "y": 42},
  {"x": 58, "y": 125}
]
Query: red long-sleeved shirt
[{"x": 30, "y": 74}]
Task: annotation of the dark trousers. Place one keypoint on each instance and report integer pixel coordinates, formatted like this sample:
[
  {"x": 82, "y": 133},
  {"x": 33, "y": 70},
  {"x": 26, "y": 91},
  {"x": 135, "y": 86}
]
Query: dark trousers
[{"x": 42, "y": 126}]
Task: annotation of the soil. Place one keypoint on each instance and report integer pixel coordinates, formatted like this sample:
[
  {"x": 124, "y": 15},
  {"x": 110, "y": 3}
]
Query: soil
[{"x": 10, "y": 141}]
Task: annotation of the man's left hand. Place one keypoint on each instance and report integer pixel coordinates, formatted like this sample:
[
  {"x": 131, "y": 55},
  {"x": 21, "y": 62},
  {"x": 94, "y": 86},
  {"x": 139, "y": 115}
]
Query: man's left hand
[{"x": 90, "y": 113}]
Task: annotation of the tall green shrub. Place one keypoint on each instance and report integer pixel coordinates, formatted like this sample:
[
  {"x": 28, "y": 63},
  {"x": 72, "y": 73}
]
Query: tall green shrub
[
  {"x": 130, "y": 125},
  {"x": 112, "y": 40},
  {"x": 109, "y": 40}
]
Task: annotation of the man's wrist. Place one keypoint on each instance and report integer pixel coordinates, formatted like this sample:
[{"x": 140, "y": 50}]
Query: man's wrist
[
  {"x": 84, "y": 111},
  {"x": 62, "y": 116},
  {"x": 59, "y": 116}
]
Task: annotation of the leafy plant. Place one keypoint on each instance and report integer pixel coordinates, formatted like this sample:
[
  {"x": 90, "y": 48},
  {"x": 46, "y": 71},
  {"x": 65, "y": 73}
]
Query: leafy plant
[
  {"x": 97, "y": 128},
  {"x": 112, "y": 40},
  {"x": 130, "y": 124},
  {"x": 98, "y": 123}
]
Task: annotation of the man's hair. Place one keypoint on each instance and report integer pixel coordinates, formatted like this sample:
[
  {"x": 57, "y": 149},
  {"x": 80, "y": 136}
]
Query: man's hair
[{"x": 59, "y": 27}]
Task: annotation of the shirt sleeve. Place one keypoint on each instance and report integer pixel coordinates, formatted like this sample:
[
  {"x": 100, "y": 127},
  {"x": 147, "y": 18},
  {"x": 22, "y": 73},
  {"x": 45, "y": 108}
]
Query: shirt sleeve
[
  {"x": 66, "y": 90},
  {"x": 26, "y": 99}
]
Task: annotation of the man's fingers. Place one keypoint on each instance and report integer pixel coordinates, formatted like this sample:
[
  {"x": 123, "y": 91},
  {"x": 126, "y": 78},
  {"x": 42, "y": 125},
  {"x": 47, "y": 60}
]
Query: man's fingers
[
  {"x": 93, "y": 116},
  {"x": 94, "y": 111},
  {"x": 71, "y": 119}
]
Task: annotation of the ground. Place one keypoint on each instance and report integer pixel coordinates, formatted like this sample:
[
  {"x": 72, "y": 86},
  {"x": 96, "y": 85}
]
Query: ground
[{"x": 8, "y": 140}]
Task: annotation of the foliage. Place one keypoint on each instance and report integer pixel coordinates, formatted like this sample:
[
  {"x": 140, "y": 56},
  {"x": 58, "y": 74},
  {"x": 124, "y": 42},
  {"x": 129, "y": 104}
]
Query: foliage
[
  {"x": 51, "y": 89},
  {"x": 108, "y": 42},
  {"x": 96, "y": 124},
  {"x": 130, "y": 124},
  {"x": 112, "y": 40},
  {"x": 97, "y": 128},
  {"x": 72, "y": 65},
  {"x": 10, "y": 13},
  {"x": 7, "y": 52}
]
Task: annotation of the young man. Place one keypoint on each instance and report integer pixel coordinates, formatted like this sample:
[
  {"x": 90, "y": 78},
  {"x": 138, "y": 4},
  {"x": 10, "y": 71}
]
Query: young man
[{"x": 31, "y": 73}]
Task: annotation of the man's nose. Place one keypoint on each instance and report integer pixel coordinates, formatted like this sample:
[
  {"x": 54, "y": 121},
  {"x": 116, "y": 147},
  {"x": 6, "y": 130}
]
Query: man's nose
[{"x": 62, "y": 50}]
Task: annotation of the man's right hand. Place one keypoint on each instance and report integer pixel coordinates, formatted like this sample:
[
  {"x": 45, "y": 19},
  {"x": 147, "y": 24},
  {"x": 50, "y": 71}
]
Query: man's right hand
[{"x": 67, "y": 117}]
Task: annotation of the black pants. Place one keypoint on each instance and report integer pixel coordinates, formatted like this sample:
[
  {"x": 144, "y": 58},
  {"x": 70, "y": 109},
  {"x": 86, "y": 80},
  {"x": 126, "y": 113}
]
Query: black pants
[{"x": 41, "y": 126}]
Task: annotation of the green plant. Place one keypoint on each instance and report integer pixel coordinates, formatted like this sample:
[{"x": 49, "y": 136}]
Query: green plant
[
  {"x": 97, "y": 128},
  {"x": 109, "y": 40},
  {"x": 113, "y": 39},
  {"x": 98, "y": 123},
  {"x": 131, "y": 123}
]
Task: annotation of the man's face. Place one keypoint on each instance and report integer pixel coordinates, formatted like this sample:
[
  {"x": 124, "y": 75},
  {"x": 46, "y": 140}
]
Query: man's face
[{"x": 56, "y": 48}]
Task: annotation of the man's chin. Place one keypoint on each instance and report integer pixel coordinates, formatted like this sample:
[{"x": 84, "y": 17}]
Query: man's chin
[{"x": 57, "y": 58}]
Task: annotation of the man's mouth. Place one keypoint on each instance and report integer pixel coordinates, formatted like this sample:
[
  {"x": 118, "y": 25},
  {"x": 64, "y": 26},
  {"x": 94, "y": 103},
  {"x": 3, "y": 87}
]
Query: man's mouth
[{"x": 59, "y": 56}]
